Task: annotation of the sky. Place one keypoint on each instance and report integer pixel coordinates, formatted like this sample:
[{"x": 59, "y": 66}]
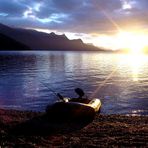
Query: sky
[{"x": 94, "y": 21}]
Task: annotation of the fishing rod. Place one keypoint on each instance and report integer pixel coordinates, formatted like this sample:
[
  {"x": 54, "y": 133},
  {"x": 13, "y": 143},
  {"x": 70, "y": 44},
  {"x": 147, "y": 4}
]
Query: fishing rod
[
  {"x": 79, "y": 91},
  {"x": 54, "y": 92}
]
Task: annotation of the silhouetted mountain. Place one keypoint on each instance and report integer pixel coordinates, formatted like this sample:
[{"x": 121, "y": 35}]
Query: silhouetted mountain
[
  {"x": 44, "y": 41},
  {"x": 8, "y": 43}
]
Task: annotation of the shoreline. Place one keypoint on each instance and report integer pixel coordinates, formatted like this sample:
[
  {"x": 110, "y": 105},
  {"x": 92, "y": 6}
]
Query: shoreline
[{"x": 33, "y": 129}]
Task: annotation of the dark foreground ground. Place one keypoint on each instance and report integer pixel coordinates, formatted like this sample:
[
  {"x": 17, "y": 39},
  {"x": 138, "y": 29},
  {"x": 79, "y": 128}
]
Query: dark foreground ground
[{"x": 29, "y": 129}]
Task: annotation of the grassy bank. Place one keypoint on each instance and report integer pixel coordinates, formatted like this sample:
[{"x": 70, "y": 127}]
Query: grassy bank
[{"x": 30, "y": 129}]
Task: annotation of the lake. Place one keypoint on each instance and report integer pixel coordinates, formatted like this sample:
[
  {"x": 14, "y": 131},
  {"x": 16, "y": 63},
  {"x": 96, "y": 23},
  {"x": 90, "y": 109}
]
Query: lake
[{"x": 120, "y": 81}]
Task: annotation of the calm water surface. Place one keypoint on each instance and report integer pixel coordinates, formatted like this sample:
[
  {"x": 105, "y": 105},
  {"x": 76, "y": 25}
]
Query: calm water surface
[{"x": 120, "y": 81}]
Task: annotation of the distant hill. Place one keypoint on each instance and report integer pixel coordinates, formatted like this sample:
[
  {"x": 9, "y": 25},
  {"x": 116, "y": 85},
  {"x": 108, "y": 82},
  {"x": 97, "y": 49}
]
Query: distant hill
[
  {"x": 43, "y": 41},
  {"x": 7, "y": 43}
]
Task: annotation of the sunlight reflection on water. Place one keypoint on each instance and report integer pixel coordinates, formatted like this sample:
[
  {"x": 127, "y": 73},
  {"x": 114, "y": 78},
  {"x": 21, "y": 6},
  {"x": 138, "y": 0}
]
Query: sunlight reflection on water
[
  {"x": 136, "y": 63},
  {"x": 26, "y": 76}
]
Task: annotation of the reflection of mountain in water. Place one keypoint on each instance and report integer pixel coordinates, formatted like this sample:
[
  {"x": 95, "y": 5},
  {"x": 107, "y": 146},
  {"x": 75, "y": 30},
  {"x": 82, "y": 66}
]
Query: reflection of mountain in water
[
  {"x": 39, "y": 40},
  {"x": 10, "y": 62},
  {"x": 22, "y": 77},
  {"x": 14, "y": 81}
]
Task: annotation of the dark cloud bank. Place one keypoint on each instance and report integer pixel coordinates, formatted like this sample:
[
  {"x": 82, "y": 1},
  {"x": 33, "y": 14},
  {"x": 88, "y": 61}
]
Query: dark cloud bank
[{"x": 79, "y": 16}]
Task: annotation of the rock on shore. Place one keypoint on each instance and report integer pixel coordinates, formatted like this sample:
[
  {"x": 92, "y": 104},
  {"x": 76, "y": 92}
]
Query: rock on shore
[{"x": 31, "y": 129}]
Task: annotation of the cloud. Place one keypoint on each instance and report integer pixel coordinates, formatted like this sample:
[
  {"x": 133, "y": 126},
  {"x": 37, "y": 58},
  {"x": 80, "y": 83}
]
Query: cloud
[
  {"x": 67, "y": 5},
  {"x": 11, "y": 8},
  {"x": 85, "y": 16}
]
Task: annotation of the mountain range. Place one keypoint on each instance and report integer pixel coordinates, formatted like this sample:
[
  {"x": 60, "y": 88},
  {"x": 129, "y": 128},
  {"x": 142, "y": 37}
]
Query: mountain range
[
  {"x": 11, "y": 44},
  {"x": 27, "y": 39}
]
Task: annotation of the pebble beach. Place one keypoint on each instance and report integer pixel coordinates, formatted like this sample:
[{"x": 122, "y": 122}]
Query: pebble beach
[{"x": 35, "y": 129}]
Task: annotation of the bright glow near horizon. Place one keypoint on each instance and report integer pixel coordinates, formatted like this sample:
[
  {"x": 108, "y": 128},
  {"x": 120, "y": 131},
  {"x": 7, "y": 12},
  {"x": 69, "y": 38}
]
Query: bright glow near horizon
[{"x": 132, "y": 41}]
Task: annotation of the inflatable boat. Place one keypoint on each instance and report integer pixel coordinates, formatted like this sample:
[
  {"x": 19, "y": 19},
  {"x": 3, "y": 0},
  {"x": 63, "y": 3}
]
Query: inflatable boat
[{"x": 74, "y": 109}]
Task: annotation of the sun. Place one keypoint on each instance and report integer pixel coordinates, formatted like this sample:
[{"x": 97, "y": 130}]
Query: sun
[{"x": 134, "y": 42}]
